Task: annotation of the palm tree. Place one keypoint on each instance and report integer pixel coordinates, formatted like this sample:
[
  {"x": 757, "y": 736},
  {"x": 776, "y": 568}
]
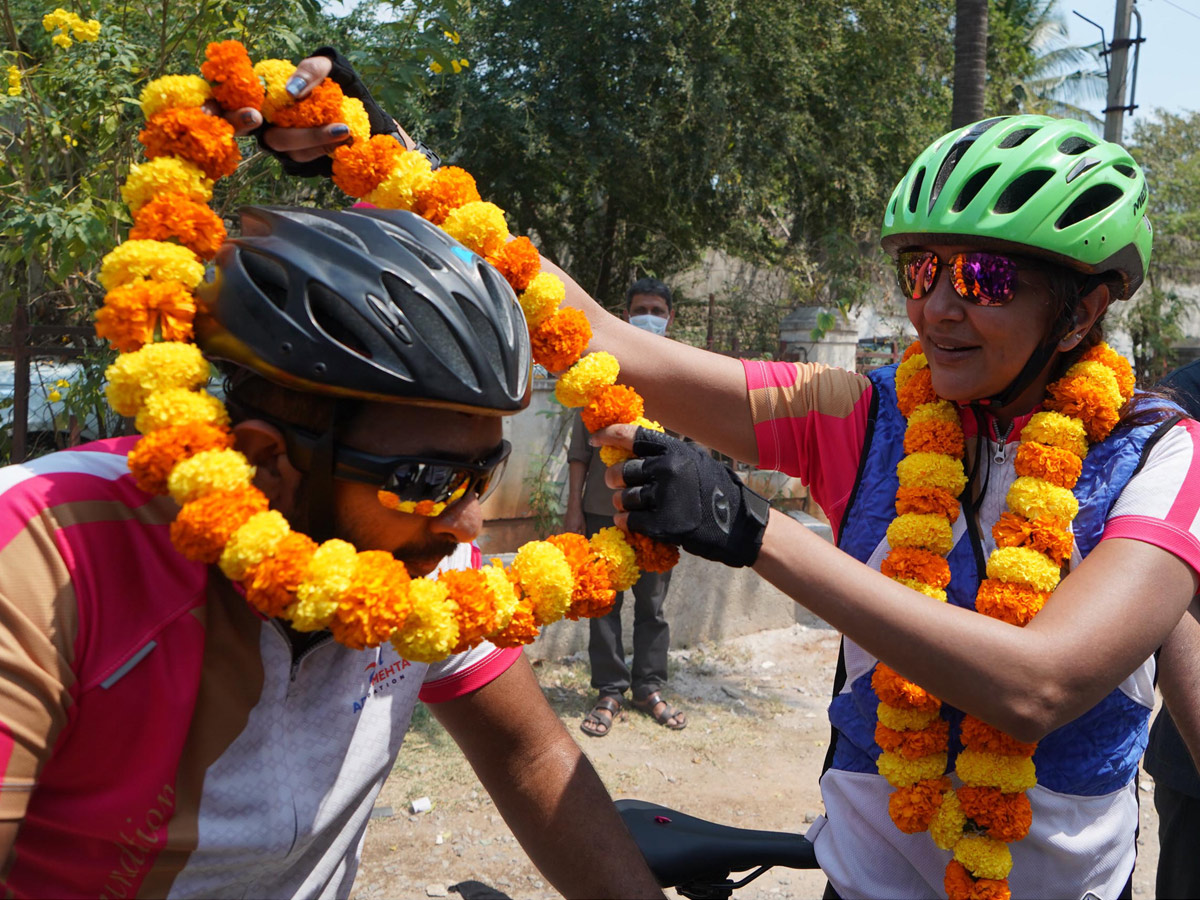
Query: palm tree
[{"x": 970, "y": 61}]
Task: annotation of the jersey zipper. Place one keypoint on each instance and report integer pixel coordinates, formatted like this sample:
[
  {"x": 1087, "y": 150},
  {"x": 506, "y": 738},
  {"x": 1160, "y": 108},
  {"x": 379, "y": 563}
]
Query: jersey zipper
[{"x": 1001, "y": 452}]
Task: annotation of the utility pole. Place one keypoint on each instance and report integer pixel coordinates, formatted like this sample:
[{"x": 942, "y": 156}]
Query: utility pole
[{"x": 1114, "y": 113}]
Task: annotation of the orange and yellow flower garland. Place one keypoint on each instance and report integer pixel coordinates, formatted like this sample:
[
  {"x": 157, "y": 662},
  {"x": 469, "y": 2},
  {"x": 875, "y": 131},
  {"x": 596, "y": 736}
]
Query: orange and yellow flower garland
[
  {"x": 1033, "y": 542},
  {"x": 187, "y": 449}
]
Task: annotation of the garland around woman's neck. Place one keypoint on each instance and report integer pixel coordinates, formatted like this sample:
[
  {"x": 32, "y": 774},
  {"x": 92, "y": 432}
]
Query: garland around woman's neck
[
  {"x": 188, "y": 448},
  {"x": 1033, "y": 543}
]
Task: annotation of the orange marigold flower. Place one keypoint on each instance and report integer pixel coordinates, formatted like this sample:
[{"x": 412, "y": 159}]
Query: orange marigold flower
[
  {"x": 229, "y": 70},
  {"x": 362, "y": 166},
  {"x": 271, "y": 585},
  {"x": 1005, "y": 817},
  {"x": 911, "y": 350},
  {"x": 914, "y": 744},
  {"x": 912, "y": 808},
  {"x": 322, "y": 106},
  {"x": 1015, "y": 604},
  {"x": 960, "y": 885},
  {"x": 895, "y": 690},
  {"x": 558, "y": 342},
  {"x": 928, "y": 500},
  {"x": 172, "y": 216},
  {"x": 477, "y": 605},
  {"x": 523, "y": 629},
  {"x": 204, "y": 526},
  {"x": 518, "y": 261},
  {"x": 593, "y": 595},
  {"x": 376, "y": 603},
  {"x": 192, "y": 134},
  {"x": 1117, "y": 364},
  {"x": 1053, "y": 464},
  {"x": 978, "y": 735},
  {"x": 613, "y": 404},
  {"x": 449, "y": 189},
  {"x": 133, "y": 313},
  {"x": 934, "y": 437},
  {"x": 1078, "y": 398},
  {"x": 153, "y": 457},
  {"x": 652, "y": 555},
  {"x": 574, "y": 547},
  {"x": 919, "y": 565},
  {"x": 1045, "y": 534},
  {"x": 917, "y": 390}
]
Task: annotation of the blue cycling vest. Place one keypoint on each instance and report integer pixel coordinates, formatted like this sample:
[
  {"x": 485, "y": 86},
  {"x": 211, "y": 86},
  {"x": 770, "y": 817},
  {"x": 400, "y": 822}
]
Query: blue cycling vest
[{"x": 1090, "y": 756}]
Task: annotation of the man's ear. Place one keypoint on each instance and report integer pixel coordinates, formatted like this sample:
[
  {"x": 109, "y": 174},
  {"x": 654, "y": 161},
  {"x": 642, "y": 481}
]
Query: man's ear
[
  {"x": 264, "y": 446},
  {"x": 625, "y": 314}
]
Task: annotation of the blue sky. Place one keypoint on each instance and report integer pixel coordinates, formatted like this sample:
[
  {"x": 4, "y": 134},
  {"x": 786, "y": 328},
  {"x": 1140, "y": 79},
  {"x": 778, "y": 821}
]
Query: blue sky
[{"x": 1169, "y": 70}]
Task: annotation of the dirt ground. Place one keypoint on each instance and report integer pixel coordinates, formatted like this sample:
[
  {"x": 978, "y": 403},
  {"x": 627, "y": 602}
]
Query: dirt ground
[{"x": 750, "y": 757}]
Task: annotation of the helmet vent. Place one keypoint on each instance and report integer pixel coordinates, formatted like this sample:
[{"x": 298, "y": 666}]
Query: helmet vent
[
  {"x": 418, "y": 251},
  {"x": 1017, "y": 138},
  {"x": 1088, "y": 162},
  {"x": 1125, "y": 170},
  {"x": 330, "y": 311},
  {"x": 1092, "y": 201},
  {"x": 267, "y": 275},
  {"x": 1022, "y": 188},
  {"x": 431, "y": 328},
  {"x": 916, "y": 191},
  {"x": 484, "y": 333},
  {"x": 972, "y": 187},
  {"x": 333, "y": 229},
  {"x": 1075, "y": 145}
]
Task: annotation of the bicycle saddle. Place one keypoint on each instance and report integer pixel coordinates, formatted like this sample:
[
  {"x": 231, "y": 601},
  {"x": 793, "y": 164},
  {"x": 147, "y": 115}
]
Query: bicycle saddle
[{"x": 680, "y": 848}]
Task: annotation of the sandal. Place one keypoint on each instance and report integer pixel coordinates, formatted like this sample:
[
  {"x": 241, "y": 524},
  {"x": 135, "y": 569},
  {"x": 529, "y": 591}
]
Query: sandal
[
  {"x": 661, "y": 711},
  {"x": 600, "y": 720}
]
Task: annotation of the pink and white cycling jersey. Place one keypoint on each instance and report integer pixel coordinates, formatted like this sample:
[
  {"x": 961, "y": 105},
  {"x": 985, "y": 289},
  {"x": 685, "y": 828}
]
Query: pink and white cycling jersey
[{"x": 157, "y": 737}]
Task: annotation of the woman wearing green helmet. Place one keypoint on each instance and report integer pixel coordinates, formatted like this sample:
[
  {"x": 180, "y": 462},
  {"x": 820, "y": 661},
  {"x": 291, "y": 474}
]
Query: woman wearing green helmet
[{"x": 1017, "y": 531}]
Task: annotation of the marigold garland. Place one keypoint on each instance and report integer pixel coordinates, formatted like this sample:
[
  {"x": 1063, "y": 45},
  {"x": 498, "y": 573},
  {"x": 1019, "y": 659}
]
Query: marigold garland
[
  {"x": 1033, "y": 542},
  {"x": 187, "y": 449}
]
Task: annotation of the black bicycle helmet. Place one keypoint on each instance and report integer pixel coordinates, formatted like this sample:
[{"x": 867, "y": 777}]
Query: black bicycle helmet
[{"x": 366, "y": 303}]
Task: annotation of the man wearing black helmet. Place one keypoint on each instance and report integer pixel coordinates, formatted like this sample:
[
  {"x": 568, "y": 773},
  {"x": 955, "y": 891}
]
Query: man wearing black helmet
[{"x": 170, "y": 739}]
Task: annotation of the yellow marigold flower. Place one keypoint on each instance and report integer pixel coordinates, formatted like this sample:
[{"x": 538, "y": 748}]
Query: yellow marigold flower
[
  {"x": 582, "y": 381},
  {"x": 932, "y": 470},
  {"x": 155, "y": 367},
  {"x": 252, "y": 543},
  {"x": 984, "y": 857},
  {"x": 162, "y": 175},
  {"x": 179, "y": 406},
  {"x": 156, "y": 260},
  {"x": 431, "y": 630},
  {"x": 905, "y": 370},
  {"x": 1011, "y": 774},
  {"x": 545, "y": 576},
  {"x": 506, "y": 595},
  {"x": 946, "y": 826},
  {"x": 329, "y": 574},
  {"x": 540, "y": 300},
  {"x": 407, "y": 180},
  {"x": 208, "y": 471},
  {"x": 611, "y": 546},
  {"x": 922, "y": 588},
  {"x": 1024, "y": 565},
  {"x": 1118, "y": 364},
  {"x": 610, "y": 455},
  {"x": 905, "y": 719},
  {"x": 354, "y": 114},
  {"x": 939, "y": 411},
  {"x": 14, "y": 81},
  {"x": 901, "y": 772},
  {"x": 925, "y": 531},
  {"x": 1034, "y": 498},
  {"x": 274, "y": 74},
  {"x": 480, "y": 226},
  {"x": 1057, "y": 430},
  {"x": 174, "y": 92}
]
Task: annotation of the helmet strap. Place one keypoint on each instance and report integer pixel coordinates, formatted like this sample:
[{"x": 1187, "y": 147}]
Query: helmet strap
[{"x": 319, "y": 507}]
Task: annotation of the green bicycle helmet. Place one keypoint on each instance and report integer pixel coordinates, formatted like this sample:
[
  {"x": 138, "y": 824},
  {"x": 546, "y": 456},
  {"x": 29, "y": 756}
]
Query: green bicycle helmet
[{"x": 1035, "y": 185}]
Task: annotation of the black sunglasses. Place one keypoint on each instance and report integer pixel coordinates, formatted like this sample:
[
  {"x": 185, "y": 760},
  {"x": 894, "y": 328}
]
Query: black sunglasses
[{"x": 409, "y": 479}]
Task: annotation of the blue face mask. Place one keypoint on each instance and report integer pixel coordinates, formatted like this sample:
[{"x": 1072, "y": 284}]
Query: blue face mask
[{"x": 651, "y": 323}]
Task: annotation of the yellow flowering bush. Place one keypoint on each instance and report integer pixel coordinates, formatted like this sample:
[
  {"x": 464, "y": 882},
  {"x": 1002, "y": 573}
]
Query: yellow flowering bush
[
  {"x": 208, "y": 471},
  {"x": 253, "y": 542}
]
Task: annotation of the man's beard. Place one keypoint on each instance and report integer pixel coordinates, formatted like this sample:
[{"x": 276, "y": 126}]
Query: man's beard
[{"x": 426, "y": 551}]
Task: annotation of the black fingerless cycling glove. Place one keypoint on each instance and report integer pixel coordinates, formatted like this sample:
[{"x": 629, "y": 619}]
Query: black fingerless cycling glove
[{"x": 679, "y": 494}]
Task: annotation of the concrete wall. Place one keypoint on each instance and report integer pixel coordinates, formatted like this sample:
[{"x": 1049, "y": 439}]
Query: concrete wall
[{"x": 706, "y": 601}]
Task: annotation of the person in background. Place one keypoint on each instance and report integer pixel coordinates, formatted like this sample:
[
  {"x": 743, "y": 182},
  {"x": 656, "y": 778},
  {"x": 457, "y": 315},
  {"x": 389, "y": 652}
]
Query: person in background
[{"x": 648, "y": 305}]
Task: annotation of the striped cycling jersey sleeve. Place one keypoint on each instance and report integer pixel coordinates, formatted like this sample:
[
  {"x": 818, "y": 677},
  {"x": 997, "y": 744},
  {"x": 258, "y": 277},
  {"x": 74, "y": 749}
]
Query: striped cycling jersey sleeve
[
  {"x": 1161, "y": 503},
  {"x": 810, "y": 421}
]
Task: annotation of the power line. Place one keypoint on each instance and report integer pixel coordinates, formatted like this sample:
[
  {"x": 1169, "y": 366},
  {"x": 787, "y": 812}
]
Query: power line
[{"x": 1181, "y": 9}]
